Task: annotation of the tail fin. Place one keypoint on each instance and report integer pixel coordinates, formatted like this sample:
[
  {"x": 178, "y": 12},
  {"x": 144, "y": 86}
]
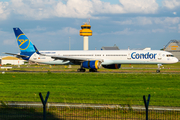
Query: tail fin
[{"x": 25, "y": 45}]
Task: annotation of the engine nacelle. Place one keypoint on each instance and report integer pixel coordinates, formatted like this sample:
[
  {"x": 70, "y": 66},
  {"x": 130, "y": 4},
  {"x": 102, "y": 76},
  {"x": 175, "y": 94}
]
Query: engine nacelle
[
  {"x": 112, "y": 66},
  {"x": 96, "y": 64}
]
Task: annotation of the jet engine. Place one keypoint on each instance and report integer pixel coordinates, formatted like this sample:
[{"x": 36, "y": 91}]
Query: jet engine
[
  {"x": 112, "y": 66},
  {"x": 96, "y": 64}
]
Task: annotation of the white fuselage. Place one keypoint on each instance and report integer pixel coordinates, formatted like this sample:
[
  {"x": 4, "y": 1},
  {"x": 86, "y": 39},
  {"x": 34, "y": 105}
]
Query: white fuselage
[{"x": 110, "y": 56}]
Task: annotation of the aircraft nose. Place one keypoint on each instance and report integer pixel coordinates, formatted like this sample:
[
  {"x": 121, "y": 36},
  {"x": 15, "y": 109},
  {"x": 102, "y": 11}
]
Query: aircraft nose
[{"x": 176, "y": 60}]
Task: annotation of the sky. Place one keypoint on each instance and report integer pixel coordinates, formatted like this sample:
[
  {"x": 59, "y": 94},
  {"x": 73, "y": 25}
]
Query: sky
[{"x": 51, "y": 24}]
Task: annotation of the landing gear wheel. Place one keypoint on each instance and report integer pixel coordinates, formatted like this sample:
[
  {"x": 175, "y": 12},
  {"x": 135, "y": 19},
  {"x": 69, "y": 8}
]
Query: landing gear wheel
[
  {"x": 92, "y": 70},
  {"x": 81, "y": 70},
  {"x": 159, "y": 67}
]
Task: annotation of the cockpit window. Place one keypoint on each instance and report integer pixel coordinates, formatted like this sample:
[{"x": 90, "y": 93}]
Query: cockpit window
[{"x": 169, "y": 55}]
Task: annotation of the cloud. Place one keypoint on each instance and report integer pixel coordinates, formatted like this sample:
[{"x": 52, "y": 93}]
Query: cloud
[
  {"x": 34, "y": 9},
  {"x": 178, "y": 28},
  {"x": 155, "y": 25},
  {"x": 167, "y": 20},
  {"x": 40, "y": 9},
  {"x": 144, "y": 21},
  {"x": 150, "y": 21},
  {"x": 124, "y": 32},
  {"x": 38, "y": 28},
  {"x": 88, "y": 8},
  {"x": 106, "y": 7},
  {"x": 126, "y": 22},
  {"x": 65, "y": 31},
  {"x": 139, "y": 6},
  {"x": 136, "y": 21},
  {"x": 7, "y": 38},
  {"x": 158, "y": 30},
  {"x": 148, "y": 25},
  {"x": 125, "y": 6},
  {"x": 171, "y": 4},
  {"x": 74, "y": 9},
  {"x": 9, "y": 42},
  {"x": 4, "y": 12},
  {"x": 174, "y": 13},
  {"x": 127, "y": 31}
]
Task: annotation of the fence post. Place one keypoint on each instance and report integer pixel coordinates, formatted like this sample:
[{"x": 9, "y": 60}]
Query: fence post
[
  {"x": 44, "y": 104},
  {"x": 146, "y": 105}
]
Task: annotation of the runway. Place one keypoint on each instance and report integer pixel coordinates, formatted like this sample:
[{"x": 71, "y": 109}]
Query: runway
[
  {"x": 73, "y": 69},
  {"x": 125, "y": 72}
]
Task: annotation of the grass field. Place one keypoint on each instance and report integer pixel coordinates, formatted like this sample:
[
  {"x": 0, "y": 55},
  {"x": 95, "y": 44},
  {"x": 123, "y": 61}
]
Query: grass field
[{"x": 99, "y": 88}]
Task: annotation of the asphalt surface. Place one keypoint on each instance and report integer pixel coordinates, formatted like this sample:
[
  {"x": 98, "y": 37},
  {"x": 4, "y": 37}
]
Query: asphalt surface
[{"x": 23, "y": 71}]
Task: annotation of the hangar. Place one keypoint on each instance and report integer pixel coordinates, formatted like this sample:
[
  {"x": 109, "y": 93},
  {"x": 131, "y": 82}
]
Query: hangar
[
  {"x": 173, "y": 47},
  {"x": 110, "y": 48},
  {"x": 11, "y": 61}
]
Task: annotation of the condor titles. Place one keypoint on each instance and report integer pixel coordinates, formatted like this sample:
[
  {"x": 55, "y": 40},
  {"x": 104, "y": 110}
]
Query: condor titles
[{"x": 147, "y": 55}]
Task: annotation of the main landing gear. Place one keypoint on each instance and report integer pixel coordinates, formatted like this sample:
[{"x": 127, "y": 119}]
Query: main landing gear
[
  {"x": 84, "y": 70},
  {"x": 81, "y": 70},
  {"x": 92, "y": 70}
]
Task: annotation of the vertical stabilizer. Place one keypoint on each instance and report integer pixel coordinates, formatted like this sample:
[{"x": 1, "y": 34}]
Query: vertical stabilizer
[{"x": 25, "y": 45}]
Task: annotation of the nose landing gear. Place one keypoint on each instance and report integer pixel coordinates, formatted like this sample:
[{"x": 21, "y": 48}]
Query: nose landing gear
[{"x": 158, "y": 70}]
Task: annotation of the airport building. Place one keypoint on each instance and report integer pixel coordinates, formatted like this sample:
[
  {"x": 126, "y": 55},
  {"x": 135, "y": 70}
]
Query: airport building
[
  {"x": 110, "y": 48},
  {"x": 11, "y": 61},
  {"x": 173, "y": 47}
]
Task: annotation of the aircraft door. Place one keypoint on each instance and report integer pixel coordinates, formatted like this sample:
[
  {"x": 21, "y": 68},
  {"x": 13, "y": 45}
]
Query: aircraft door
[
  {"x": 129, "y": 56},
  {"x": 159, "y": 56},
  {"x": 34, "y": 56}
]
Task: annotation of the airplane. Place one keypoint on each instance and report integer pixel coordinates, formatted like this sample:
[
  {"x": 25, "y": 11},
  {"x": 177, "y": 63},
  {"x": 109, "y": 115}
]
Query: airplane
[{"x": 90, "y": 59}]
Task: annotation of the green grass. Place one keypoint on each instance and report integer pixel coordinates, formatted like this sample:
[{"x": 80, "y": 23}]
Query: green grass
[{"x": 99, "y": 88}]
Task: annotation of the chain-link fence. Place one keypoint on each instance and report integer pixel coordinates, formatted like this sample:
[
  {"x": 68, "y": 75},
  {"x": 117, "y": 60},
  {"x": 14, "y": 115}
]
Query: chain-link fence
[{"x": 8, "y": 112}]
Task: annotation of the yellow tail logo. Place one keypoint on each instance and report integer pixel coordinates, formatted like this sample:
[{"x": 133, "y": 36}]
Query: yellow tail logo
[{"x": 22, "y": 41}]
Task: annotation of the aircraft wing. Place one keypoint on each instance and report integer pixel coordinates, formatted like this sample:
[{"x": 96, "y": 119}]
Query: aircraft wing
[
  {"x": 71, "y": 58},
  {"x": 17, "y": 55}
]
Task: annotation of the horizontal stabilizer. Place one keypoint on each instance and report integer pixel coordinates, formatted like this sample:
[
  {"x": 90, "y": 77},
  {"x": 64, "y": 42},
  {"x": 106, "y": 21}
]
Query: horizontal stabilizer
[{"x": 17, "y": 55}]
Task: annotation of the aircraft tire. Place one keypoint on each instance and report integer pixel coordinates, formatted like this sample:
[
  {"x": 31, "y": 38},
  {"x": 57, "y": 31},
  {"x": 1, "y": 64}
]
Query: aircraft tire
[
  {"x": 92, "y": 70},
  {"x": 157, "y": 71},
  {"x": 81, "y": 70}
]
